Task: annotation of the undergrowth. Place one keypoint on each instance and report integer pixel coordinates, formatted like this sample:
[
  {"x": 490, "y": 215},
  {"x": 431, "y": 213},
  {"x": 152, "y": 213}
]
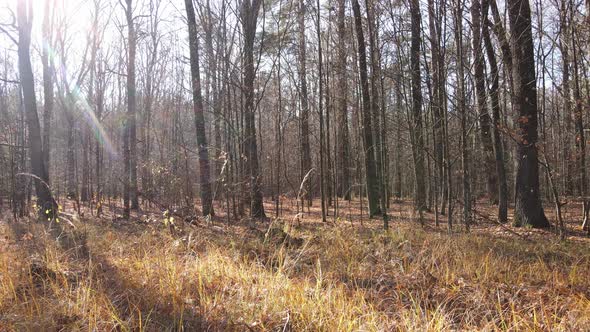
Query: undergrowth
[{"x": 139, "y": 277}]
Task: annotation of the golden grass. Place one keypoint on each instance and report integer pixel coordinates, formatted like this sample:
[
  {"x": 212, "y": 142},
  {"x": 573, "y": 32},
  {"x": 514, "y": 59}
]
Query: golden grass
[{"x": 138, "y": 277}]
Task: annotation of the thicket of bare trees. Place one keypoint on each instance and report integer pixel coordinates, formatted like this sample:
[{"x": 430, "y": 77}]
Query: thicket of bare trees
[{"x": 449, "y": 103}]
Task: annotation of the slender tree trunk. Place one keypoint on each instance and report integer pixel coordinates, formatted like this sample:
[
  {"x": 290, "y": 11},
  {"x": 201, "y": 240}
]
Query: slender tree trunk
[
  {"x": 342, "y": 139},
  {"x": 47, "y": 61},
  {"x": 480, "y": 91},
  {"x": 437, "y": 100},
  {"x": 375, "y": 108},
  {"x": 461, "y": 108},
  {"x": 370, "y": 171},
  {"x": 321, "y": 114},
  {"x": 303, "y": 94},
  {"x": 579, "y": 124},
  {"x": 249, "y": 15},
  {"x": 566, "y": 92},
  {"x": 85, "y": 188},
  {"x": 204, "y": 176},
  {"x": 495, "y": 103},
  {"x": 417, "y": 131},
  {"x": 131, "y": 106},
  {"x": 100, "y": 91}
]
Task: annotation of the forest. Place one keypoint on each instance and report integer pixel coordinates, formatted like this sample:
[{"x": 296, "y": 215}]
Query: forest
[{"x": 294, "y": 165}]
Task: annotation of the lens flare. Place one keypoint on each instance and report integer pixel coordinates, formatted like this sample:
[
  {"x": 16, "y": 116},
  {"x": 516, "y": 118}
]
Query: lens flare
[
  {"x": 87, "y": 114},
  {"x": 90, "y": 119}
]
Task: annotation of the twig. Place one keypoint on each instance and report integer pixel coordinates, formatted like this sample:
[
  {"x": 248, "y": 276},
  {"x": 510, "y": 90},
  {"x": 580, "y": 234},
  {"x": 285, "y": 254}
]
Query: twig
[{"x": 5, "y": 80}]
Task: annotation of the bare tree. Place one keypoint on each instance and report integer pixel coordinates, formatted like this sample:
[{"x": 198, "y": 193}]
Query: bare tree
[
  {"x": 481, "y": 96},
  {"x": 45, "y": 200},
  {"x": 417, "y": 129},
  {"x": 342, "y": 140},
  {"x": 461, "y": 107},
  {"x": 48, "y": 86},
  {"x": 249, "y": 18},
  {"x": 370, "y": 167},
  {"x": 206, "y": 198},
  {"x": 495, "y": 104},
  {"x": 304, "y": 102},
  {"x": 528, "y": 209}
]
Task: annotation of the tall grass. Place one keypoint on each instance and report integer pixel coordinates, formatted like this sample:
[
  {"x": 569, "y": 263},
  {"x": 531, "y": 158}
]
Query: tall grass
[{"x": 141, "y": 278}]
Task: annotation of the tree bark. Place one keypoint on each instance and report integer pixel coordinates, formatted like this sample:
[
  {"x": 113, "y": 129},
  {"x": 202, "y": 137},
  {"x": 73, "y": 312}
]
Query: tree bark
[
  {"x": 580, "y": 155},
  {"x": 438, "y": 94},
  {"x": 566, "y": 93},
  {"x": 495, "y": 103},
  {"x": 321, "y": 114},
  {"x": 45, "y": 200},
  {"x": 375, "y": 109},
  {"x": 342, "y": 140},
  {"x": 528, "y": 209},
  {"x": 461, "y": 108},
  {"x": 418, "y": 140},
  {"x": 249, "y": 15},
  {"x": 303, "y": 95},
  {"x": 204, "y": 168},
  {"x": 370, "y": 171},
  {"x": 48, "y": 86},
  {"x": 481, "y": 96},
  {"x": 131, "y": 106}
]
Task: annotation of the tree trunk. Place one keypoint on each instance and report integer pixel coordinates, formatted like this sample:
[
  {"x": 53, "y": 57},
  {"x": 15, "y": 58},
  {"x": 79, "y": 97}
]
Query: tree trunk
[
  {"x": 438, "y": 97},
  {"x": 44, "y": 198},
  {"x": 321, "y": 115},
  {"x": 528, "y": 209},
  {"x": 131, "y": 107},
  {"x": 418, "y": 140},
  {"x": 375, "y": 108},
  {"x": 204, "y": 176},
  {"x": 342, "y": 140},
  {"x": 495, "y": 103},
  {"x": 370, "y": 171},
  {"x": 480, "y": 91},
  {"x": 461, "y": 108},
  {"x": 249, "y": 15},
  {"x": 47, "y": 61},
  {"x": 566, "y": 92},
  {"x": 303, "y": 94},
  {"x": 579, "y": 124}
]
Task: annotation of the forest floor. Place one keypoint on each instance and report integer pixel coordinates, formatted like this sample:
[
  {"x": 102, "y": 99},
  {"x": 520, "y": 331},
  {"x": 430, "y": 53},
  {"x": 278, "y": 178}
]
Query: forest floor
[{"x": 105, "y": 274}]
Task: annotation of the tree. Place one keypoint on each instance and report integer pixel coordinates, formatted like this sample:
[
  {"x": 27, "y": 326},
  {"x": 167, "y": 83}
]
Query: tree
[
  {"x": 321, "y": 113},
  {"x": 45, "y": 201},
  {"x": 206, "y": 198},
  {"x": 342, "y": 137},
  {"x": 580, "y": 139},
  {"x": 376, "y": 111},
  {"x": 461, "y": 108},
  {"x": 438, "y": 98},
  {"x": 304, "y": 102},
  {"x": 528, "y": 209},
  {"x": 48, "y": 86},
  {"x": 416, "y": 130},
  {"x": 495, "y": 104},
  {"x": 369, "y": 154},
  {"x": 130, "y": 136},
  {"x": 481, "y": 96},
  {"x": 249, "y": 17}
]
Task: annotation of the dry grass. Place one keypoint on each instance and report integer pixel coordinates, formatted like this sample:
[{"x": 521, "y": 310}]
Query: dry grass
[{"x": 137, "y": 276}]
